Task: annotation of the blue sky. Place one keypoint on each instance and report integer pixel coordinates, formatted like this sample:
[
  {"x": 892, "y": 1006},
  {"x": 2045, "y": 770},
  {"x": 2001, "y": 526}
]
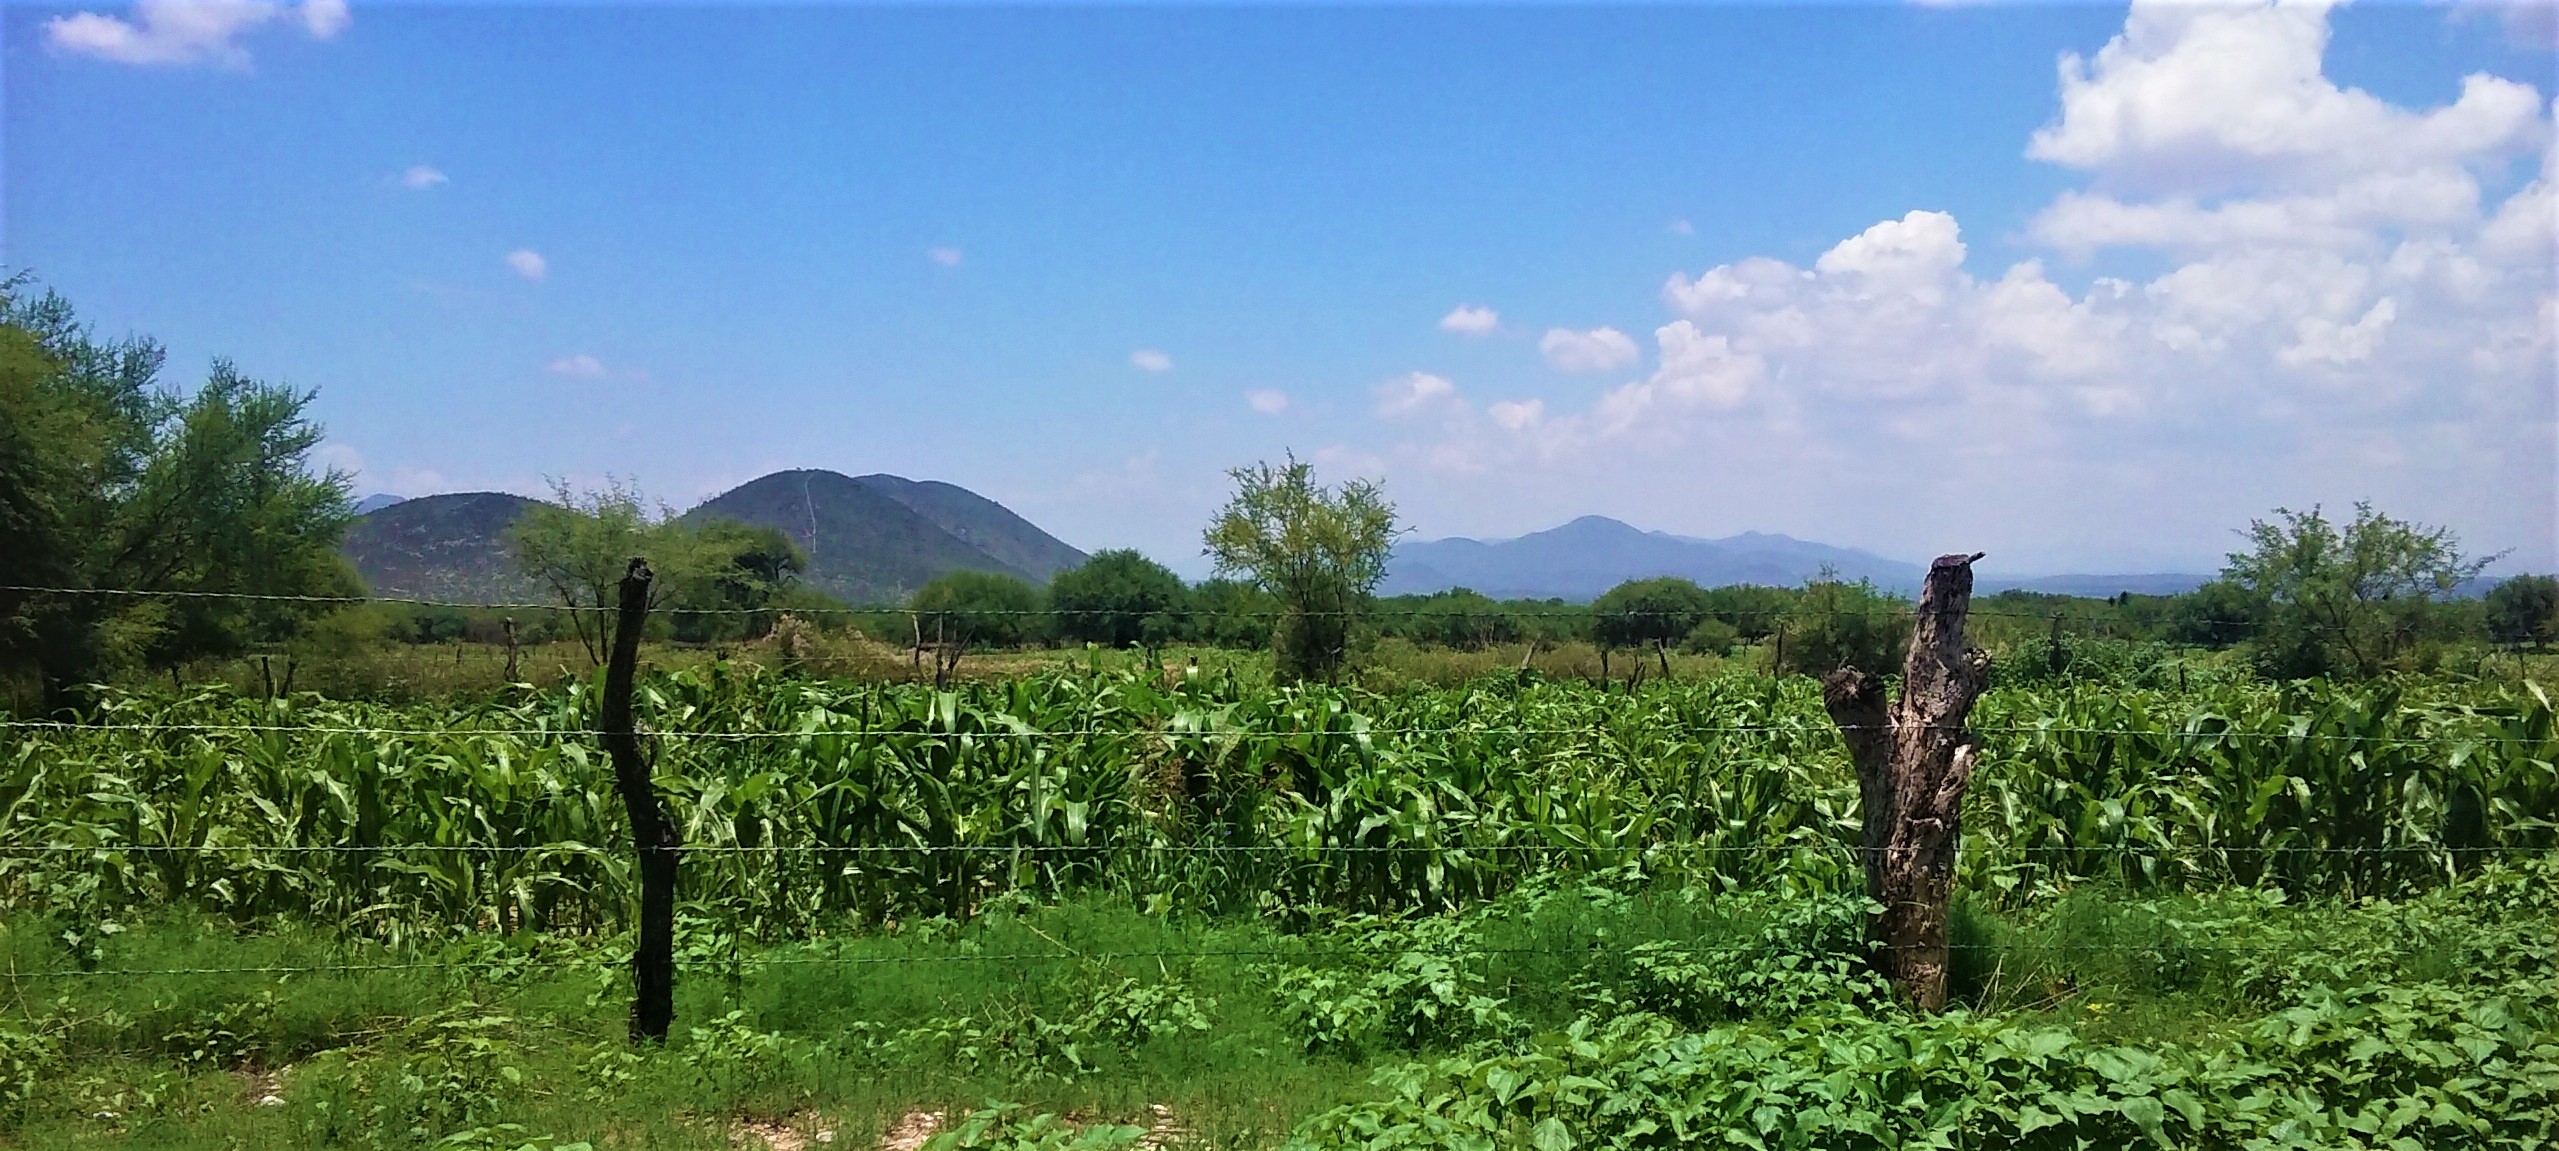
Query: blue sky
[{"x": 1892, "y": 277}]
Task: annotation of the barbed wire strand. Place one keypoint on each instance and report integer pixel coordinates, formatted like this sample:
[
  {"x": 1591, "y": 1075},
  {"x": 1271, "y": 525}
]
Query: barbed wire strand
[
  {"x": 1807, "y": 727},
  {"x": 575, "y": 847},
  {"x": 1896, "y": 610},
  {"x": 511, "y": 966}
]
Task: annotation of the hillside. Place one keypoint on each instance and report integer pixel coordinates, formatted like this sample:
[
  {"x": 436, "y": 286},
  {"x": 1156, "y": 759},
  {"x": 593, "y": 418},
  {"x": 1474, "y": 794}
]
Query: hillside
[
  {"x": 877, "y": 538},
  {"x": 448, "y": 547},
  {"x": 1581, "y": 559}
]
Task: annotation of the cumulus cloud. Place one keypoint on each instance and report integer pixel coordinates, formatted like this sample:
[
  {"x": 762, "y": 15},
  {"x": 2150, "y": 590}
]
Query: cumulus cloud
[
  {"x": 528, "y": 263},
  {"x": 177, "y": 32},
  {"x": 1597, "y": 350},
  {"x": 2343, "y": 298},
  {"x": 421, "y": 177},
  {"x": 1470, "y": 320},
  {"x": 1415, "y": 392},
  {"x": 1268, "y": 401},
  {"x": 578, "y": 367},
  {"x": 947, "y": 257},
  {"x": 1517, "y": 414},
  {"x": 1151, "y": 360}
]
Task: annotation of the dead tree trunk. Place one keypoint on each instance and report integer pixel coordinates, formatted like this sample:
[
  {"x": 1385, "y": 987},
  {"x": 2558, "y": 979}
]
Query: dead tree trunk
[
  {"x": 1914, "y": 759},
  {"x": 656, "y": 837}
]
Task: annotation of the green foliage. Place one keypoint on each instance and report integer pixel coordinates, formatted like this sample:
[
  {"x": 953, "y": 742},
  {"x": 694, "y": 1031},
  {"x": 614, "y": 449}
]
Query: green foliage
[
  {"x": 1319, "y": 551},
  {"x": 2358, "y": 600},
  {"x": 978, "y": 608},
  {"x": 1648, "y": 612},
  {"x": 1459, "y": 618},
  {"x": 1230, "y": 613},
  {"x": 1835, "y": 625},
  {"x": 715, "y": 580},
  {"x": 109, "y": 480},
  {"x": 1117, "y": 599},
  {"x": 1013, "y": 1127},
  {"x": 2525, "y": 609}
]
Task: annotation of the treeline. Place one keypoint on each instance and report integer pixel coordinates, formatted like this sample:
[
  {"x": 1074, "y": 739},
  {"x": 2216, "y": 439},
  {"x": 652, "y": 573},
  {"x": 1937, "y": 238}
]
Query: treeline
[{"x": 195, "y": 525}]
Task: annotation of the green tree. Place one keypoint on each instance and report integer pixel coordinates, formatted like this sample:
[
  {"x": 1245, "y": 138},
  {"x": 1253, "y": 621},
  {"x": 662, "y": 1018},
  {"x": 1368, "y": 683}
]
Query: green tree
[
  {"x": 109, "y": 480},
  {"x": 1835, "y": 624},
  {"x": 730, "y": 579},
  {"x": 974, "y": 608},
  {"x": 2356, "y": 600},
  {"x": 1117, "y": 598},
  {"x": 581, "y": 544},
  {"x": 2525, "y": 609},
  {"x": 1229, "y": 613},
  {"x": 1318, "y": 551},
  {"x": 1653, "y": 613}
]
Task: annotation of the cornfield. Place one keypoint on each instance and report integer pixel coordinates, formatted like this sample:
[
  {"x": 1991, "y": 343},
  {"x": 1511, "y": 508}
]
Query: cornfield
[{"x": 805, "y": 802}]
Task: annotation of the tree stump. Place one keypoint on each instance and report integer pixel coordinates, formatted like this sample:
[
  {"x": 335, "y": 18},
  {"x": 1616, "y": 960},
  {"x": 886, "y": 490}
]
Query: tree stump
[{"x": 1914, "y": 760}]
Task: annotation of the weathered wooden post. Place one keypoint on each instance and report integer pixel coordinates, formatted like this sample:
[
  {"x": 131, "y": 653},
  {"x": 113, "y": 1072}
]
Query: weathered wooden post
[
  {"x": 654, "y": 836},
  {"x": 510, "y": 648},
  {"x": 1914, "y": 759}
]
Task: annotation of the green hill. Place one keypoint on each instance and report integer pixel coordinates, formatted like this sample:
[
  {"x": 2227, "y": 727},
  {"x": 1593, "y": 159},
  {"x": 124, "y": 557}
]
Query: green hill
[
  {"x": 869, "y": 540},
  {"x": 449, "y": 547}
]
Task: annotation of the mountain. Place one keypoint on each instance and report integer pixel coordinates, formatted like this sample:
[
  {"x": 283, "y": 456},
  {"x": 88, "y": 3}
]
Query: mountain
[
  {"x": 448, "y": 547},
  {"x": 879, "y": 537},
  {"x": 1592, "y": 554},
  {"x": 375, "y": 502},
  {"x": 981, "y": 523}
]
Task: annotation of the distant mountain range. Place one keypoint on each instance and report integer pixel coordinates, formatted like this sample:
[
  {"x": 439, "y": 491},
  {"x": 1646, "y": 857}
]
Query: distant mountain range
[
  {"x": 1592, "y": 554},
  {"x": 870, "y": 539},
  {"x": 876, "y": 538}
]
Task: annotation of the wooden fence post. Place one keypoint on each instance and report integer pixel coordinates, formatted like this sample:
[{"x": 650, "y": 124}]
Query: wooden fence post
[
  {"x": 510, "y": 649},
  {"x": 1914, "y": 760},
  {"x": 654, "y": 836}
]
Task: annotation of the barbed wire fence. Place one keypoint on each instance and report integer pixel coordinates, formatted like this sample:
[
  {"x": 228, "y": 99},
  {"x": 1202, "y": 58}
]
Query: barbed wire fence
[{"x": 2058, "y": 623}]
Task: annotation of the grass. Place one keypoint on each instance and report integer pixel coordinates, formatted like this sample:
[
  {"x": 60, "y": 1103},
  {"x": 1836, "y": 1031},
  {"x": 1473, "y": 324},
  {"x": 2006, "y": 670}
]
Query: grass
[{"x": 1089, "y": 1009}]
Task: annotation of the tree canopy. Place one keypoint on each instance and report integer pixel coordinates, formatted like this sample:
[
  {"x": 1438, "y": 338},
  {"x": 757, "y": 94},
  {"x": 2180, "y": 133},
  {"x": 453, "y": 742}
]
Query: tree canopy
[
  {"x": 1319, "y": 551},
  {"x": 715, "y": 580},
  {"x": 2356, "y": 599},
  {"x": 1117, "y": 598},
  {"x": 110, "y": 479}
]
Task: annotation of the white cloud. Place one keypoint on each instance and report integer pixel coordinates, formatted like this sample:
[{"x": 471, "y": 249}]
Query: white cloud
[
  {"x": 2327, "y": 341},
  {"x": 1407, "y": 394},
  {"x": 174, "y": 32},
  {"x": 337, "y": 455},
  {"x": 1149, "y": 359},
  {"x": 2212, "y": 95},
  {"x": 1597, "y": 350},
  {"x": 1682, "y": 228},
  {"x": 1268, "y": 401},
  {"x": 1470, "y": 320},
  {"x": 577, "y": 367},
  {"x": 528, "y": 263},
  {"x": 1517, "y": 414},
  {"x": 324, "y": 19},
  {"x": 2343, "y": 302},
  {"x": 421, "y": 177},
  {"x": 947, "y": 257}
]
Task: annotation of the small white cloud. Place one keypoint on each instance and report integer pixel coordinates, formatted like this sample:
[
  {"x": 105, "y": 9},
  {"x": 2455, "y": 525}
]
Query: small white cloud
[
  {"x": 324, "y": 19},
  {"x": 422, "y": 177},
  {"x": 340, "y": 457},
  {"x": 1682, "y": 228},
  {"x": 1149, "y": 359},
  {"x": 1470, "y": 319},
  {"x": 186, "y": 31},
  {"x": 1517, "y": 415},
  {"x": 528, "y": 263},
  {"x": 1597, "y": 350},
  {"x": 947, "y": 257},
  {"x": 1268, "y": 401},
  {"x": 1405, "y": 395},
  {"x": 577, "y": 367}
]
